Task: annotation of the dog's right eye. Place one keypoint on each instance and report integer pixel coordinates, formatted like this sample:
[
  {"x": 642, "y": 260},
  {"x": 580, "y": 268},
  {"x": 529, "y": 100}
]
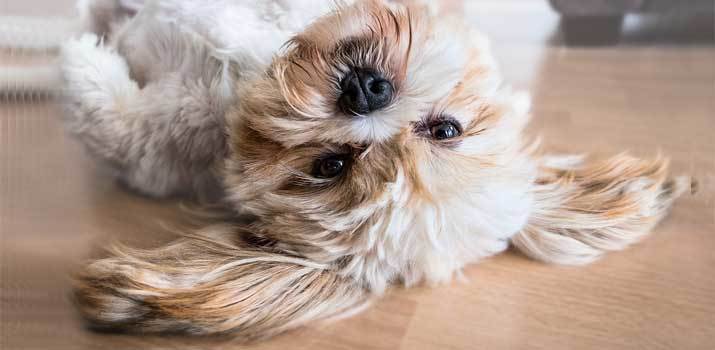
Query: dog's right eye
[
  {"x": 444, "y": 130},
  {"x": 329, "y": 167}
]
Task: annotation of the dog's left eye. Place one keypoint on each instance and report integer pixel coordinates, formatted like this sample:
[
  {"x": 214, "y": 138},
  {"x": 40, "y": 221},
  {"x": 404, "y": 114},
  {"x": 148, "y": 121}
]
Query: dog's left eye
[
  {"x": 329, "y": 167},
  {"x": 445, "y": 130}
]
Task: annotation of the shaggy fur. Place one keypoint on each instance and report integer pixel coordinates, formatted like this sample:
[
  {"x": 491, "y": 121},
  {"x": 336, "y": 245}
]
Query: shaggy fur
[{"x": 185, "y": 97}]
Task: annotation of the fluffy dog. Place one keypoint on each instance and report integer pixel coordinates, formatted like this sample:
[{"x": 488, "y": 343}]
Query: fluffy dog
[{"x": 378, "y": 146}]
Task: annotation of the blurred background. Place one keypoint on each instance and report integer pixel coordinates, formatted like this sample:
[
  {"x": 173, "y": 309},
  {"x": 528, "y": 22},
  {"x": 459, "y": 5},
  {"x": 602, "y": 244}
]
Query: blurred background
[{"x": 605, "y": 75}]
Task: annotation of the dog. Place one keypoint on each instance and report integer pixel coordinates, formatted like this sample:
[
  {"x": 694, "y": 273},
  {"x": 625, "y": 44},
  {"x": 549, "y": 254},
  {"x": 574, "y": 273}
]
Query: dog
[{"x": 368, "y": 143}]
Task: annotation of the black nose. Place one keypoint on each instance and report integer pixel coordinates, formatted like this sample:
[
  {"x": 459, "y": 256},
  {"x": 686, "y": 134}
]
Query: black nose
[{"x": 364, "y": 91}]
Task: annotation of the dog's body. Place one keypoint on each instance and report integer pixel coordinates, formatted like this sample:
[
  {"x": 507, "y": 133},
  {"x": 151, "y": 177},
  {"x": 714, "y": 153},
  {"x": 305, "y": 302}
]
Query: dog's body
[
  {"x": 379, "y": 146},
  {"x": 165, "y": 76}
]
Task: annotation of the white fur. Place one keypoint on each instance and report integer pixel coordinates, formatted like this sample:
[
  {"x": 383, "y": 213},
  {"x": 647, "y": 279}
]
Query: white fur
[
  {"x": 182, "y": 54},
  {"x": 415, "y": 240},
  {"x": 157, "y": 97}
]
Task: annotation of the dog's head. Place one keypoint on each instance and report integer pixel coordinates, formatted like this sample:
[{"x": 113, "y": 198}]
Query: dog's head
[{"x": 380, "y": 136}]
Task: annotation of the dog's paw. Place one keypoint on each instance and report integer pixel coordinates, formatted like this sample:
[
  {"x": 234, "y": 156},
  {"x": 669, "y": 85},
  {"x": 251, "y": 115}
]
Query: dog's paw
[
  {"x": 97, "y": 92},
  {"x": 95, "y": 76}
]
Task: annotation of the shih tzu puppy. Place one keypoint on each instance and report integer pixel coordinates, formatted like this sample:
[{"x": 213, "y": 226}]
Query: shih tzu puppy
[{"x": 369, "y": 144}]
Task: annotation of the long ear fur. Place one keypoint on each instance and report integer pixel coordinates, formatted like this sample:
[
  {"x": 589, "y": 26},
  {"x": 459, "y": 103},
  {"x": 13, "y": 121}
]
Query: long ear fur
[
  {"x": 209, "y": 283},
  {"x": 584, "y": 210}
]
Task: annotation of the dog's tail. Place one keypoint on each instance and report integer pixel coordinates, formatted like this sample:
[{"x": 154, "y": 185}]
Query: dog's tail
[
  {"x": 583, "y": 210},
  {"x": 210, "y": 283}
]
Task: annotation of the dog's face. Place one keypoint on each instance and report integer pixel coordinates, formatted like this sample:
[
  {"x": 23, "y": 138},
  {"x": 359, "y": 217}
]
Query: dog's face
[{"x": 379, "y": 139}]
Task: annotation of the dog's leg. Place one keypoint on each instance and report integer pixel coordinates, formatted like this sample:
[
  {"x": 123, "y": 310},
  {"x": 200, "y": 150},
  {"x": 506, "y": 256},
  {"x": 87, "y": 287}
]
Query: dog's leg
[
  {"x": 98, "y": 92},
  {"x": 209, "y": 283},
  {"x": 584, "y": 210},
  {"x": 164, "y": 138}
]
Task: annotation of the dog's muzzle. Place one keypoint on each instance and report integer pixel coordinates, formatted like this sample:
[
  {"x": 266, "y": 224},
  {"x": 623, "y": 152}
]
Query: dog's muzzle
[{"x": 364, "y": 91}]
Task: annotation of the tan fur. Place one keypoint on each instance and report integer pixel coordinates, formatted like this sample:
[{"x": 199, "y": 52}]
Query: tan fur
[
  {"x": 586, "y": 210},
  {"x": 409, "y": 208},
  {"x": 211, "y": 283}
]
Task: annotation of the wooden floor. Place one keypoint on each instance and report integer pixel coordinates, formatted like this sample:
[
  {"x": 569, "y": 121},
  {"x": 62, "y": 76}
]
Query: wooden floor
[{"x": 653, "y": 92}]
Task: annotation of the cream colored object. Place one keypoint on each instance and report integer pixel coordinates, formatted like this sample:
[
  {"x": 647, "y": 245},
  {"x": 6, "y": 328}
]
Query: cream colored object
[
  {"x": 27, "y": 49},
  {"x": 180, "y": 98},
  {"x": 19, "y": 33},
  {"x": 22, "y": 80},
  {"x": 56, "y": 206}
]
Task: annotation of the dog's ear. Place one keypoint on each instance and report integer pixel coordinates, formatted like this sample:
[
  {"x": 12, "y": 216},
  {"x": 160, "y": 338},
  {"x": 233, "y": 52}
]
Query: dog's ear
[
  {"x": 584, "y": 210},
  {"x": 209, "y": 284}
]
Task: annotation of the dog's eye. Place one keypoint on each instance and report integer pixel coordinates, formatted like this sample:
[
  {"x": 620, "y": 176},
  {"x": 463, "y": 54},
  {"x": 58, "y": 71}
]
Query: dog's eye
[
  {"x": 329, "y": 167},
  {"x": 445, "y": 130}
]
